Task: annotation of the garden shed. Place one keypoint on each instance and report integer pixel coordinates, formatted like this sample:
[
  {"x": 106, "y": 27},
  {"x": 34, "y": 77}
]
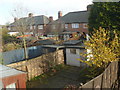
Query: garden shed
[{"x": 12, "y": 78}]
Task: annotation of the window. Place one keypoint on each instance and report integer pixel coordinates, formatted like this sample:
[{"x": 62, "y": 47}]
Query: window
[
  {"x": 13, "y": 28},
  {"x": 85, "y": 25},
  {"x": 75, "y": 25},
  {"x": 73, "y": 51},
  {"x": 12, "y": 86},
  {"x": 66, "y": 25},
  {"x": 31, "y": 27},
  {"x": 9, "y": 28},
  {"x": 34, "y": 27},
  {"x": 40, "y": 26}
]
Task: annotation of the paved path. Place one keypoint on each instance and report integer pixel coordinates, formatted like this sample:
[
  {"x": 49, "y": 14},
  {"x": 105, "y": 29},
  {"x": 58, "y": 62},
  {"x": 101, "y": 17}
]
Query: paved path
[{"x": 69, "y": 76}]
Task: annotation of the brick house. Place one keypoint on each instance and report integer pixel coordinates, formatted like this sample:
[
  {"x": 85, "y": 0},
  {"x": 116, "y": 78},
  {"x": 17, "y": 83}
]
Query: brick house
[
  {"x": 42, "y": 25},
  {"x": 35, "y": 25},
  {"x": 76, "y": 21},
  {"x": 72, "y": 22}
]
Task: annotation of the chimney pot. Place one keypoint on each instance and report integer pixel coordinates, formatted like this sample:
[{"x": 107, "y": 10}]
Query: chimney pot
[
  {"x": 89, "y": 7},
  {"x": 59, "y": 14},
  {"x": 51, "y": 18},
  {"x": 30, "y": 15},
  {"x": 15, "y": 19}
]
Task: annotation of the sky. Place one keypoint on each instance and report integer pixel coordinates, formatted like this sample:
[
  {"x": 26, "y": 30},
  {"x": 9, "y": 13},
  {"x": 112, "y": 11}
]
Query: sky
[{"x": 8, "y": 8}]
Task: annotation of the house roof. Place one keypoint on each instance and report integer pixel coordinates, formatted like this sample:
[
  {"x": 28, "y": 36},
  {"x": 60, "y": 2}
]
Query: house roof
[
  {"x": 75, "y": 17},
  {"x": 35, "y": 20},
  {"x": 7, "y": 71},
  {"x": 53, "y": 46},
  {"x": 45, "y": 42},
  {"x": 72, "y": 42}
]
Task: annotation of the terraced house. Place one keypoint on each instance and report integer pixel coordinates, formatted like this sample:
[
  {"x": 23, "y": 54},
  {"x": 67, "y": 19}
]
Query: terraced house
[
  {"x": 72, "y": 23},
  {"x": 41, "y": 25},
  {"x": 76, "y": 21},
  {"x": 35, "y": 25}
]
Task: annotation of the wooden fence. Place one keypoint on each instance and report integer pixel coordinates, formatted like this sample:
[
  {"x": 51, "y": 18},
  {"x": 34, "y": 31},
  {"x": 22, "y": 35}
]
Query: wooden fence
[
  {"x": 110, "y": 78},
  {"x": 37, "y": 66}
]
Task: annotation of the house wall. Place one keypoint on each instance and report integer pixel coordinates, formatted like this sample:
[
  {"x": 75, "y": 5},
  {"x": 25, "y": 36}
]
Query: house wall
[
  {"x": 72, "y": 59},
  {"x": 41, "y": 31},
  {"x": 75, "y": 36},
  {"x": 35, "y": 30},
  {"x": 80, "y": 29},
  {"x": 19, "y": 80}
]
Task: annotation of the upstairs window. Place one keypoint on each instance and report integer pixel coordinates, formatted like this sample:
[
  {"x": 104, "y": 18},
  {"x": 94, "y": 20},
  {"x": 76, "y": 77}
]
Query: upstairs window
[
  {"x": 31, "y": 27},
  {"x": 9, "y": 28},
  {"x": 40, "y": 26},
  {"x": 34, "y": 27},
  {"x": 85, "y": 25},
  {"x": 75, "y": 25},
  {"x": 66, "y": 25}
]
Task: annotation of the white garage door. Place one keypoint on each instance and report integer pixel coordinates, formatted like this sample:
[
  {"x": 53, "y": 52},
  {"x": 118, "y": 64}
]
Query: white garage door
[{"x": 71, "y": 57}]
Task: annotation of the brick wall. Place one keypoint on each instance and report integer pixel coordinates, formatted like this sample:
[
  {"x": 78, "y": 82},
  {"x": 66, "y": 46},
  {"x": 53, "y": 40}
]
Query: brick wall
[
  {"x": 39, "y": 65},
  {"x": 19, "y": 80},
  {"x": 80, "y": 29}
]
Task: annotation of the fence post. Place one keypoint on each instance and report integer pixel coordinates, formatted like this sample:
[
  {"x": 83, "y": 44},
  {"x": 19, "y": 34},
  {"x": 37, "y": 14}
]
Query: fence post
[
  {"x": 102, "y": 81},
  {"x": 118, "y": 74}
]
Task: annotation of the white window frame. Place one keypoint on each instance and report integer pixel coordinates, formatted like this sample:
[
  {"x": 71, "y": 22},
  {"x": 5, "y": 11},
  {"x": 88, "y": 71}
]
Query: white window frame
[
  {"x": 66, "y": 26},
  {"x": 85, "y": 25},
  {"x": 31, "y": 27},
  {"x": 12, "y": 86},
  {"x": 34, "y": 27},
  {"x": 40, "y": 26},
  {"x": 75, "y": 25},
  {"x": 9, "y": 28}
]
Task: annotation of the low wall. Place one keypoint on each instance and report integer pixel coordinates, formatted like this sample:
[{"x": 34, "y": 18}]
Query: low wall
[
  {"x": 108, "y": 79},
  {"x": 39, "y": 65},
  {"x": 18, "y": 54}
]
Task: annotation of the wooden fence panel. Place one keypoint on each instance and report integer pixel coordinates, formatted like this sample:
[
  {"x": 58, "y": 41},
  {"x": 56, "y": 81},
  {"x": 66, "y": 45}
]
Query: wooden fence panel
[
  {"x": 97, "y": 81},
  {"x": 108, "y": 79}
]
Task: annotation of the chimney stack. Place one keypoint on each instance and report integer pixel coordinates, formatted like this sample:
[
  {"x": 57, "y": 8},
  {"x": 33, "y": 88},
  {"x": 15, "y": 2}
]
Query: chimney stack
[
  {"x": 89, "y": 7},
  {"x": 51, "y": 18},
  {"x": 59, "y": 14},
  {"x": 30, "y": 15},
  {"x": 15, "y": 19}
]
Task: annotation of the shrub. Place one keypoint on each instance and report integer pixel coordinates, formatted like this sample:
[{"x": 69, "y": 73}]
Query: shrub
[{"x": 103, "y": 48}]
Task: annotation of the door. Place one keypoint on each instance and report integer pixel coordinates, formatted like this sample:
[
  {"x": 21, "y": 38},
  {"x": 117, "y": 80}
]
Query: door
[{"x": 72, "y": 57}]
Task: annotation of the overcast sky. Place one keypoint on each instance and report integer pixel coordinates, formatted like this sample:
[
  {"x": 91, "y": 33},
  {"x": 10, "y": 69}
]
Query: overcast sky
[{"x": 40, "y": 7}]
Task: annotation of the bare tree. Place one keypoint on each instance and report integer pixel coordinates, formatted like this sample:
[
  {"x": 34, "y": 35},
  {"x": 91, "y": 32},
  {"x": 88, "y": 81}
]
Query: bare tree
[
  {"x": 22, "y": 25},
  {"x": 55, "y": 28}
]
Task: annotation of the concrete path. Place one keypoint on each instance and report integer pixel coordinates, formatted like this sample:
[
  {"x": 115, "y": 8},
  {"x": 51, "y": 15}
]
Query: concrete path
[{"x": 69, "y": 76}]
